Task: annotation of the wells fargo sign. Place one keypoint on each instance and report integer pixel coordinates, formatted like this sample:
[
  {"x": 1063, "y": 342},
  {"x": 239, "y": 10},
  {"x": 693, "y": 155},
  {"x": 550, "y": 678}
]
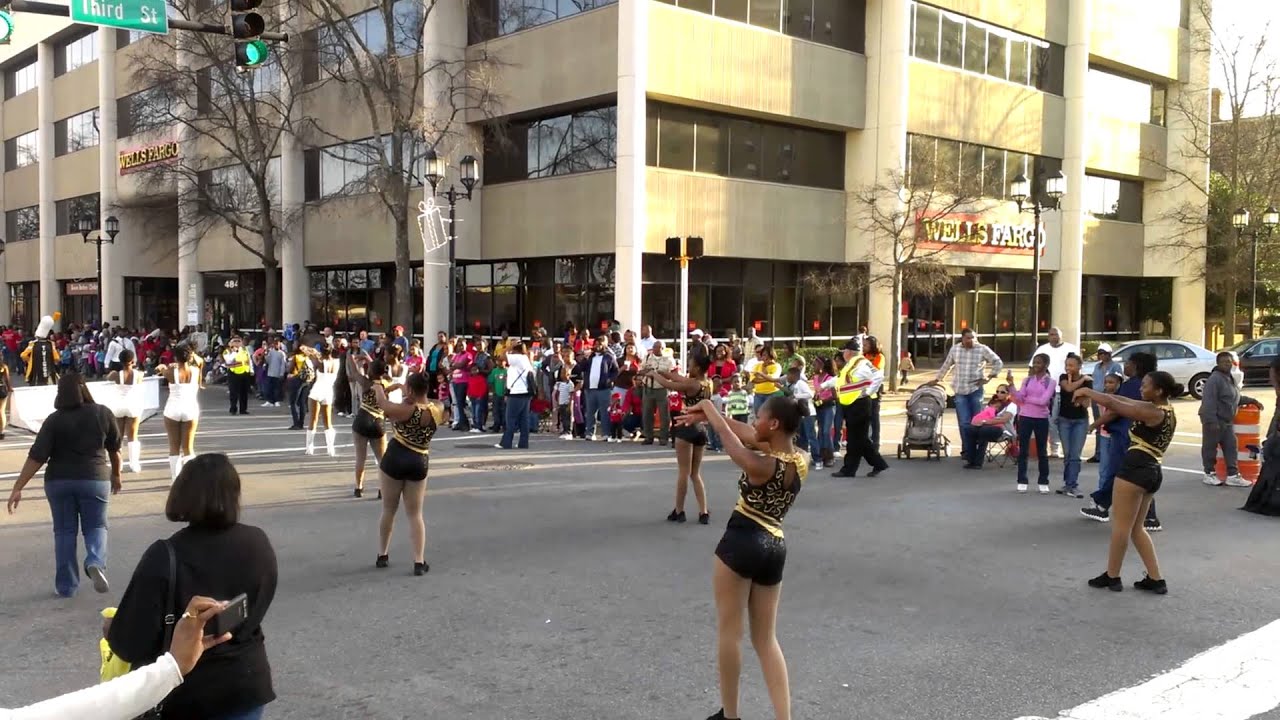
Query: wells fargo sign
[
  {"x": 973, "y": 234},
  {"x": 131, "y": 160}
]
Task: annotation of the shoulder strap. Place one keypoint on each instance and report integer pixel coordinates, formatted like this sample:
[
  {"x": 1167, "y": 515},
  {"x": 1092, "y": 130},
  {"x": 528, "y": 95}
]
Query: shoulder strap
[{"x": 170, "y": 618}]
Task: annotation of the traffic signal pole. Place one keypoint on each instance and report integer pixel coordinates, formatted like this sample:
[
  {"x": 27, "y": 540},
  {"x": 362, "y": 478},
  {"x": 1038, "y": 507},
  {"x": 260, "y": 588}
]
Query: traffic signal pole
[{"x": 42, "y": 8}]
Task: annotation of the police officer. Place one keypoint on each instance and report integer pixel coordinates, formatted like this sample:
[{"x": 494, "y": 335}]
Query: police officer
[
  {"x": 239, "y": 375},
  {"x": 856, "y": 384}
]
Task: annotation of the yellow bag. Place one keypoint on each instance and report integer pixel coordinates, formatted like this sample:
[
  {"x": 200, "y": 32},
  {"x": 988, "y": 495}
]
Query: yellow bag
[{"x": 112, "y": 665}]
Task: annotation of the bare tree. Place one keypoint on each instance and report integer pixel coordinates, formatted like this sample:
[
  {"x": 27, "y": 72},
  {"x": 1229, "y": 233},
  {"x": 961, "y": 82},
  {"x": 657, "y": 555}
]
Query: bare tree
[
  {"x": 911, "y": 222},
  {"x": 377, "y": 60},
  {"x": 1239, "y": 139},
  {"x": 229, "y": 168}
]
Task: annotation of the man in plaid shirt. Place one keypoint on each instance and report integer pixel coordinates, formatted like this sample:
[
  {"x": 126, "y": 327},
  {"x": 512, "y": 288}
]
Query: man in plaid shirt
[{"x": 968, "y": 358}]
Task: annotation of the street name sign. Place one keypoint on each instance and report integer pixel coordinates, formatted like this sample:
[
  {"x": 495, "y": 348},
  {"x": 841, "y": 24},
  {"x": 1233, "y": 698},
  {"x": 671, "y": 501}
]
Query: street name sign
[{"x": 142, "y": 15}]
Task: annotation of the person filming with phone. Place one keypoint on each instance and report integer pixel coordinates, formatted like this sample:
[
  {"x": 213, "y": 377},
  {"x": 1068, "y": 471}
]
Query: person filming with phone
[
  {"x": 217, "y": 556},
  {"x": 975, "y": 365}
]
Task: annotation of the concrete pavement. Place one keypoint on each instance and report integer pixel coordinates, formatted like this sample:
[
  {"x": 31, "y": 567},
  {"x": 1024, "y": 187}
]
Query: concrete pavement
[{"x": 558, "y": 590}]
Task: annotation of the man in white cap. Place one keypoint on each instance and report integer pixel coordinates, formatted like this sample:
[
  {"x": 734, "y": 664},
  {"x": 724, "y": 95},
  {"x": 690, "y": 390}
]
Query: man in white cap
[
  {"x": 1106, "y": 366},
  {"x": 41, "y": 356}
]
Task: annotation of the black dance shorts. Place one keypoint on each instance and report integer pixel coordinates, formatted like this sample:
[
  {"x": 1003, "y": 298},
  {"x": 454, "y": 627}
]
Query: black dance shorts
[
  {"x": 367, "y": 426},
  {"x": 751, "y": 551},
  {"x": 693, "y": 434},
  {"x": 401, "y": 463},
  {"x": 1142, "y": 470}
]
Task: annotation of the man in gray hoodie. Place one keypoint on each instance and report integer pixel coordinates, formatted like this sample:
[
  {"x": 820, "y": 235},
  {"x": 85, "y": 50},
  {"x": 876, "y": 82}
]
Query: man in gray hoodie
[{"x": 1218, "y": 408}]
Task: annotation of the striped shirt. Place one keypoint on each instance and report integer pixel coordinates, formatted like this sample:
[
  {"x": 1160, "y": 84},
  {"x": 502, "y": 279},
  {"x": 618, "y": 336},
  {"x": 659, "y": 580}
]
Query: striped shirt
[{"x": 968, "y": 364}]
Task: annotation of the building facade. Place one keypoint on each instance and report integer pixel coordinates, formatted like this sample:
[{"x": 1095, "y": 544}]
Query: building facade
[{"x": 749, "y": 123}]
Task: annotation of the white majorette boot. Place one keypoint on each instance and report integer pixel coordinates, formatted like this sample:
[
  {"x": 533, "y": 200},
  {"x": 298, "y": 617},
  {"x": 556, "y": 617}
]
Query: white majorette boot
[
  {"x": 182, "y": 461},
  {"x": 135, "y": 451},
  {"x": 330, "y": 437},
  {"x": 175, "y": 465},
  {"x": 311, "y": 442}
]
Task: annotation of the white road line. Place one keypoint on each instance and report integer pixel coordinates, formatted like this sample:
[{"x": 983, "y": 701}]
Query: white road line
[{"x": 1234, "y": 681}]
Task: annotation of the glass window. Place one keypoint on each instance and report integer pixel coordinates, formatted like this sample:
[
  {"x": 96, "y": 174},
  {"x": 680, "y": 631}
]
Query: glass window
[
  {"x": 952, "y": 43},
  {"x": 580, "y": 142},
  {"x": 1125, "y": 98},
  {"x": 925, "y": 33},
  {"x": 406, "y": 27},
  {"x": 993, "y": 173},
  {"x": 76, "y": 132},
  {"x": 997, "y": 58},
  {"x": 70, "y": 211},
  {"x": 1113, "y": 199},
  {"x": 975, "y": 48},
  {"x": 21, "y": 151},
  {"x": 708, "y": 153},
  {"x": 547, "y": 144},
  {"x": 780, "y": 153},
  {"x": 745, "y": 139},
  {"x": 766, "y": 14},
  {"x": 1019, "y": 61},
  {"x": 971, "y": 170},
  {"x": 732, "y": 9},
  {"x": 81, "y": 51},
  {"x": 23, "y": 223},
  {"x": 20, "y": 80},
  {"x": 798, "y": 20},
  {"x": 508, "y": 16},
  {"x": 948, "y": 164},
  {"x": 840, "y": 23},
  {"x": 703, "y": 6},
  {"x": 922, "y": 153},
  {"x": 675, "y": 140},
  {"x": 1157, "y": 105}
]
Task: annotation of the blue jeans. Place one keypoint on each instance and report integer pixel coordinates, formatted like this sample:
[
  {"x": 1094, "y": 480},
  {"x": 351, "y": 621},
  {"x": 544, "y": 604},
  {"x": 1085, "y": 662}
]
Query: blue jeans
[
  {"x": 805, "y": 437},
  {"x": 459, "y": 393},
  {"x": 1026, "y": 427},
  {"x": 298, "y": 396},
  {"x": 517, "y": 419},
  {"x": 825, "y": 419},
  {"x": 1105, "y": 465},
  {"x": 479, "y": 411},
  {"x": 77, "y": 504},
  {"x": 966, "y": 407},
  {"x": 596, "y": 410},
  {"x": 499, "y": 411},
  {"x": 251, "y": 714},
  {"x": 979, "y": 437},
  {"x": 1072, "y": 433}
]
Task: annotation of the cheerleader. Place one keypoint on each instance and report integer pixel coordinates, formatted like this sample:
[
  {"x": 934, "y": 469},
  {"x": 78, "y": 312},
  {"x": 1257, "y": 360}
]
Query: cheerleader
[
  {"x": 128, "y": 406},
  {"x": 403, "y": 470},
  {"x": 321, "y": 402},
  {"x": 182, "y": 409},
  {"x": 366, "y": 429}
]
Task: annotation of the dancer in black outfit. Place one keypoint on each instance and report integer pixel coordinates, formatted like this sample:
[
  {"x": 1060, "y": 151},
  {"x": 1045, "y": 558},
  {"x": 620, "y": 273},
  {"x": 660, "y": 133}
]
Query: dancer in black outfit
[
  {"x": 691, "y": 440},
  {"x": 404, "y": 466}
]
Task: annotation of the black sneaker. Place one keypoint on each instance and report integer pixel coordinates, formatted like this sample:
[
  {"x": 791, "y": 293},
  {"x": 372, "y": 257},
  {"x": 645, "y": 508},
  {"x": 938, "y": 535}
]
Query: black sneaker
[
  {"x": 877, "y": 471},
  {"x": 1070, "y": 492},
  {"x": 1159, "y": 587},
  {"x": 1096, "y": 513},
  {"x": 704, "y": 518},
  {"x": 676, "y": 516},
  {"x": 1106, "y": 581},
  {"x": 1093, "y": 460},
  {"x": 1152, "y": 524}
]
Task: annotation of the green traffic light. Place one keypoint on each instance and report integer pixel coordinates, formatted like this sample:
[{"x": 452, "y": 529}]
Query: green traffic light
[
  {"x": 6, "y": 26},
  {"x": 251, "y": 54}
]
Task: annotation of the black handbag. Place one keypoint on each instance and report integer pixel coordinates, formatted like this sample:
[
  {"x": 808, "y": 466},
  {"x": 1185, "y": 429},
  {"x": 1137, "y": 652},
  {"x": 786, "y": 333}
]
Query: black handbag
[{"x": 170, "y": 619}]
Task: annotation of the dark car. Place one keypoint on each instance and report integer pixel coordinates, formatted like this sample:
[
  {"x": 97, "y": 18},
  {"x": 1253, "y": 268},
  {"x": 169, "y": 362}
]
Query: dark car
[{"x": 1256, "y": 357}]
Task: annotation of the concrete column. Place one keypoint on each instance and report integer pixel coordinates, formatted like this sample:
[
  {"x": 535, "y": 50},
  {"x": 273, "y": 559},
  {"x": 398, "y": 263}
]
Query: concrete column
[
  {"x": 1067, "y": 283},
  {"x": 880, "y": 149},
  {"x": 5, "y": 313},
  {"x": 190, "y": 283},
  {"x": 294, "y": 288},
  {"x": 444, "y": 40},
  {"x": 631, "y": 219},
  {"x": 111, "y": 294},
  {"x": 50, "y": 293}
]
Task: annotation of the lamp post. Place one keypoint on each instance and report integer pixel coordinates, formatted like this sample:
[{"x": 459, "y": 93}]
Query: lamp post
[
  {"x": 1240, "y": 221},
  {"x": 468, "y": 175},
  {"x": 1027, "y": 197},
  {"x": 86, "y": 225}
]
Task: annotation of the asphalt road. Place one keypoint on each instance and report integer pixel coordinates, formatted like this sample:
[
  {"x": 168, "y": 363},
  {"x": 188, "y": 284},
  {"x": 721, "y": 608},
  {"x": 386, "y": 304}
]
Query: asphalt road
[{"x": 559, "y": 591}]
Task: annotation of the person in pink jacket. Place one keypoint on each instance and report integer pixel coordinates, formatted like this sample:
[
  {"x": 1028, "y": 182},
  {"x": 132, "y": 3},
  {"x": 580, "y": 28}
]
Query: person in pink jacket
[{"x": 1035, "y": 402}]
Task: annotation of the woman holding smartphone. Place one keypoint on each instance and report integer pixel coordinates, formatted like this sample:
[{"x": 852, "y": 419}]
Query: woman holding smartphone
[{"x": 747, "y": 573}]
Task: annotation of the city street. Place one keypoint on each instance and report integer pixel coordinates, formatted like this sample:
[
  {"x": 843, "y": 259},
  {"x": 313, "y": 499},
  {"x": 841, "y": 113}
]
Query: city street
[{"x": 557, "y": 589}]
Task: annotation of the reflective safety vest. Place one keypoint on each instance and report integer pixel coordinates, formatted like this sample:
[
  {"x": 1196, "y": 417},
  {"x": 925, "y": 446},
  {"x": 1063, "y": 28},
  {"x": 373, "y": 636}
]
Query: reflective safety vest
[
  {"x": 242, "y": 357},
  {"x": 849, "y": 388}
]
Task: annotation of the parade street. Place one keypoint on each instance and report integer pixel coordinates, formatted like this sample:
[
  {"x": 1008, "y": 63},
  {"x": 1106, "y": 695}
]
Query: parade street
[{"x": 558, "y": 591}]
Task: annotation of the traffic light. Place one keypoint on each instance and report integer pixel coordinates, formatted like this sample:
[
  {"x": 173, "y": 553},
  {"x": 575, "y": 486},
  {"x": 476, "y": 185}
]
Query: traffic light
[
  {"x": 246, "y": 26},
  {"x": 6, "y": 27}
]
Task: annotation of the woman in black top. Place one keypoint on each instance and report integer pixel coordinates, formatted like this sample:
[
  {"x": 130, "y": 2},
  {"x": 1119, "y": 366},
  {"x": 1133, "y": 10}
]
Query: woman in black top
[
  {"x": 1073, "y": 425},
  {"x": 403, "y": 467},
  {"x": 217, "y": 556},
  {"x": 691, "y": 440},
  {"x": 77, "y": 441}
]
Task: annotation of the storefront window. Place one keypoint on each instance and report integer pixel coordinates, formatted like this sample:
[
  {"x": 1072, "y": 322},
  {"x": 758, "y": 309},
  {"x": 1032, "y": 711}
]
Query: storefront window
[
  {"x": 80, "y": 302},
  {"x": 151, "y": 303},
  {"x": 235, "y": 301},
  {"x": 24, "y": 302},
  {"x": 351, "y": 299}
]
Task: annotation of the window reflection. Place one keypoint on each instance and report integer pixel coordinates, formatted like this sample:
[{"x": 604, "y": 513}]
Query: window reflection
[
  {"x": 951, "y": 39},
  {"x": 493, "y": 18},
  {"x": 580, "y": 142},
  {"x": 1125, "y": 98},
  {"x": 838, "y": 23}
]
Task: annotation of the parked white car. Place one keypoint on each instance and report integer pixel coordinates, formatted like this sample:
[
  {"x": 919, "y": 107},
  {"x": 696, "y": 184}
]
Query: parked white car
[{"x": 1188, "y": 363}]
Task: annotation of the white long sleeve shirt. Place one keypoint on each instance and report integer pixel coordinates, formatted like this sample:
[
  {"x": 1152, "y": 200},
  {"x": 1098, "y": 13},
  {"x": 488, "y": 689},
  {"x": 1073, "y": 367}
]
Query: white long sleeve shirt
[
  {"x": 123, "y": 698},
  {"x": 803, "y": 394}
]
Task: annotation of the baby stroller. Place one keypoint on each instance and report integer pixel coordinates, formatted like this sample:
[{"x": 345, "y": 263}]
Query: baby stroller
[{"x": 925, "y": 409}]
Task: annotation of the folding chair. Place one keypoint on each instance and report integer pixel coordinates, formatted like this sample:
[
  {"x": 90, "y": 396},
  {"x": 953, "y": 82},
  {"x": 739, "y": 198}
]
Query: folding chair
[{"x": 1004, "y": 450}]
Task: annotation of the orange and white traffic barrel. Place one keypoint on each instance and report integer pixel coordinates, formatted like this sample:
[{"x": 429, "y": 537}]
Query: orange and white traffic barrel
[{"x": 1247, "y": 425}]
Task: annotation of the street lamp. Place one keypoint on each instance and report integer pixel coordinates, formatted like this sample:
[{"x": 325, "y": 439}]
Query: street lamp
[
  {"x": 469, "y": 176},
  {"x": 1240, "y": 221},
  {"x": 1027, "y": 196},
  {"x": 86, "y": 225}
]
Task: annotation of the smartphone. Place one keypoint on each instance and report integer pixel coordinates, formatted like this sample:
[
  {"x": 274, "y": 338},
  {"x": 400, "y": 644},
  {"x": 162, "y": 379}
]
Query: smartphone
[{"x": 230, "y": 618}]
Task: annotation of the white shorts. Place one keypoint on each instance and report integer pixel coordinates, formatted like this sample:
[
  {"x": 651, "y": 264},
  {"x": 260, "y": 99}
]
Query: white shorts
[{"x": 181, "y": 413}]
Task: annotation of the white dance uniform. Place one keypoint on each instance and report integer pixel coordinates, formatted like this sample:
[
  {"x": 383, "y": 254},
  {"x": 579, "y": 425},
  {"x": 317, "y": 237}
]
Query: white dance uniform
[
  {"x": 129, "y": 403},
  {"x": 183, "y": 404},
  {"x": 326, "y": 380},
  {"x": 397, "y": 396}
]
